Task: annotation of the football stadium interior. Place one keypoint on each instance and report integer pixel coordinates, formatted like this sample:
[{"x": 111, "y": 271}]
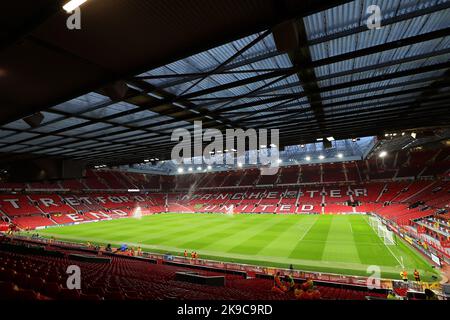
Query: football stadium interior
[{"x": 225, "y": 150}]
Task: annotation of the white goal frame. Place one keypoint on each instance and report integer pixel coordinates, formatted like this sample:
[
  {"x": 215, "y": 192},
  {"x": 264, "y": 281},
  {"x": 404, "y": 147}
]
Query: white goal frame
[{"x": 382, "y": 231}]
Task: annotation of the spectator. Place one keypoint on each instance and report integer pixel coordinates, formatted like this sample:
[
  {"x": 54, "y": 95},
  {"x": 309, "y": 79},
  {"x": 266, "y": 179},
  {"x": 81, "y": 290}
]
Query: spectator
[
  {"x": 307, "y": 291},
  {"x": 416, "y": 275}
]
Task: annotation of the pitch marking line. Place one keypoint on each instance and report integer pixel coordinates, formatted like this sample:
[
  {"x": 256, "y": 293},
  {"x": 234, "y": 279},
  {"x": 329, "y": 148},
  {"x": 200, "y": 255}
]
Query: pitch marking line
[
  {"x": 216, "y": 256},
  {"x": 307, "y": 230},
  {"x": 400, "y": 262},
  {"x": 392, "y": 253}
]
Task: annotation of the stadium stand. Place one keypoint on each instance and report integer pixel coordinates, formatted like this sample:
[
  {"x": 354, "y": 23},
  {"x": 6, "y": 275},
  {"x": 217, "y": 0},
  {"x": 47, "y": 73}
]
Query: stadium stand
[
  {"x": 324, "y": 188},
  {"x": 289, "y": 175},
  {"x": 311, "y": 174},
  {"x": 352, "y": 172},
  {"x": 49, "y": 203},
  {"x": 111, "y": 180},
  {"x": 346, "y": 99},
  {"x": 18, "y": 205},
  {"x": 42, "y": 276},
  {"x": 94, "y": 182},
  {"x": 73, "y": 185},
  {"x": 32, "y": 222},
  {"x": 249, "y": 178},
  {"x": 333, "y": 173}
]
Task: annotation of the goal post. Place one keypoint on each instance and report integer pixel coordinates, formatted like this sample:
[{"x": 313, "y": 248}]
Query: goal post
[
  {"x": 374, "y": 222},
  {"x": 388, "y": 237},
  {"x": 382, "y": 231}
]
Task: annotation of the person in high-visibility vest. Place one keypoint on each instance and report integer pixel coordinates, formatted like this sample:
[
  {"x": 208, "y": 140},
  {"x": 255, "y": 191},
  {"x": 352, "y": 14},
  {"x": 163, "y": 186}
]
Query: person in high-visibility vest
[
  {"x": 185, "y": 254},
  {"x": 404, "y": 275},
  {"x": 391, "y": 295},
  {"x": 416, "y": 275}
]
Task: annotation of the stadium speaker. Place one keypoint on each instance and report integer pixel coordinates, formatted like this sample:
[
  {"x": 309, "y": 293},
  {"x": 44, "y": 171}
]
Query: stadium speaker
[
  {"x": 34, "y": 120},
  {"x": 286, "y": 36},
  {"x": 327, "y": 144},
  {"x": 116, "y": 90}
]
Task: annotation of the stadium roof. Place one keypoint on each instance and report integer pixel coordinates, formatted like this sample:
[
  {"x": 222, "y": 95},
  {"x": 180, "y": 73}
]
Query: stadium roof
[
  {"x": 312, "y": 153},
  {"x": 319, "y": 73}
]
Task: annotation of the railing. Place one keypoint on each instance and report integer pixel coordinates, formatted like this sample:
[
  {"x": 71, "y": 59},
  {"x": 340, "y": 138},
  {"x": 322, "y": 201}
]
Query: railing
[
  {"x": 252, "y": 270},
  {"x": 413, "y": 238},
  {"x": 220, "y": 265}
]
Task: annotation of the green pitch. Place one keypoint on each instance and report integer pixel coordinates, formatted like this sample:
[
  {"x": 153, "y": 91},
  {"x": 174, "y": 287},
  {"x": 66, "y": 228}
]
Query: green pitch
[{"x": 343, "y": 244}]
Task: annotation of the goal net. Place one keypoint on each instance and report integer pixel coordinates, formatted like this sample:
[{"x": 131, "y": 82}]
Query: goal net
[
  {"x": 373, "y": 222},
  {"x": 382, "y": 231},
  {"x": 386, "y": 235}
]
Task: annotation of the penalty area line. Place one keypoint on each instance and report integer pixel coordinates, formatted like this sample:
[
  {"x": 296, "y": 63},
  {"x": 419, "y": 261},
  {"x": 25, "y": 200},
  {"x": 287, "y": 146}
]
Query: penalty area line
[
  {"x": 307, "y": 230},
  {"x": 392, "y": 253}
]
